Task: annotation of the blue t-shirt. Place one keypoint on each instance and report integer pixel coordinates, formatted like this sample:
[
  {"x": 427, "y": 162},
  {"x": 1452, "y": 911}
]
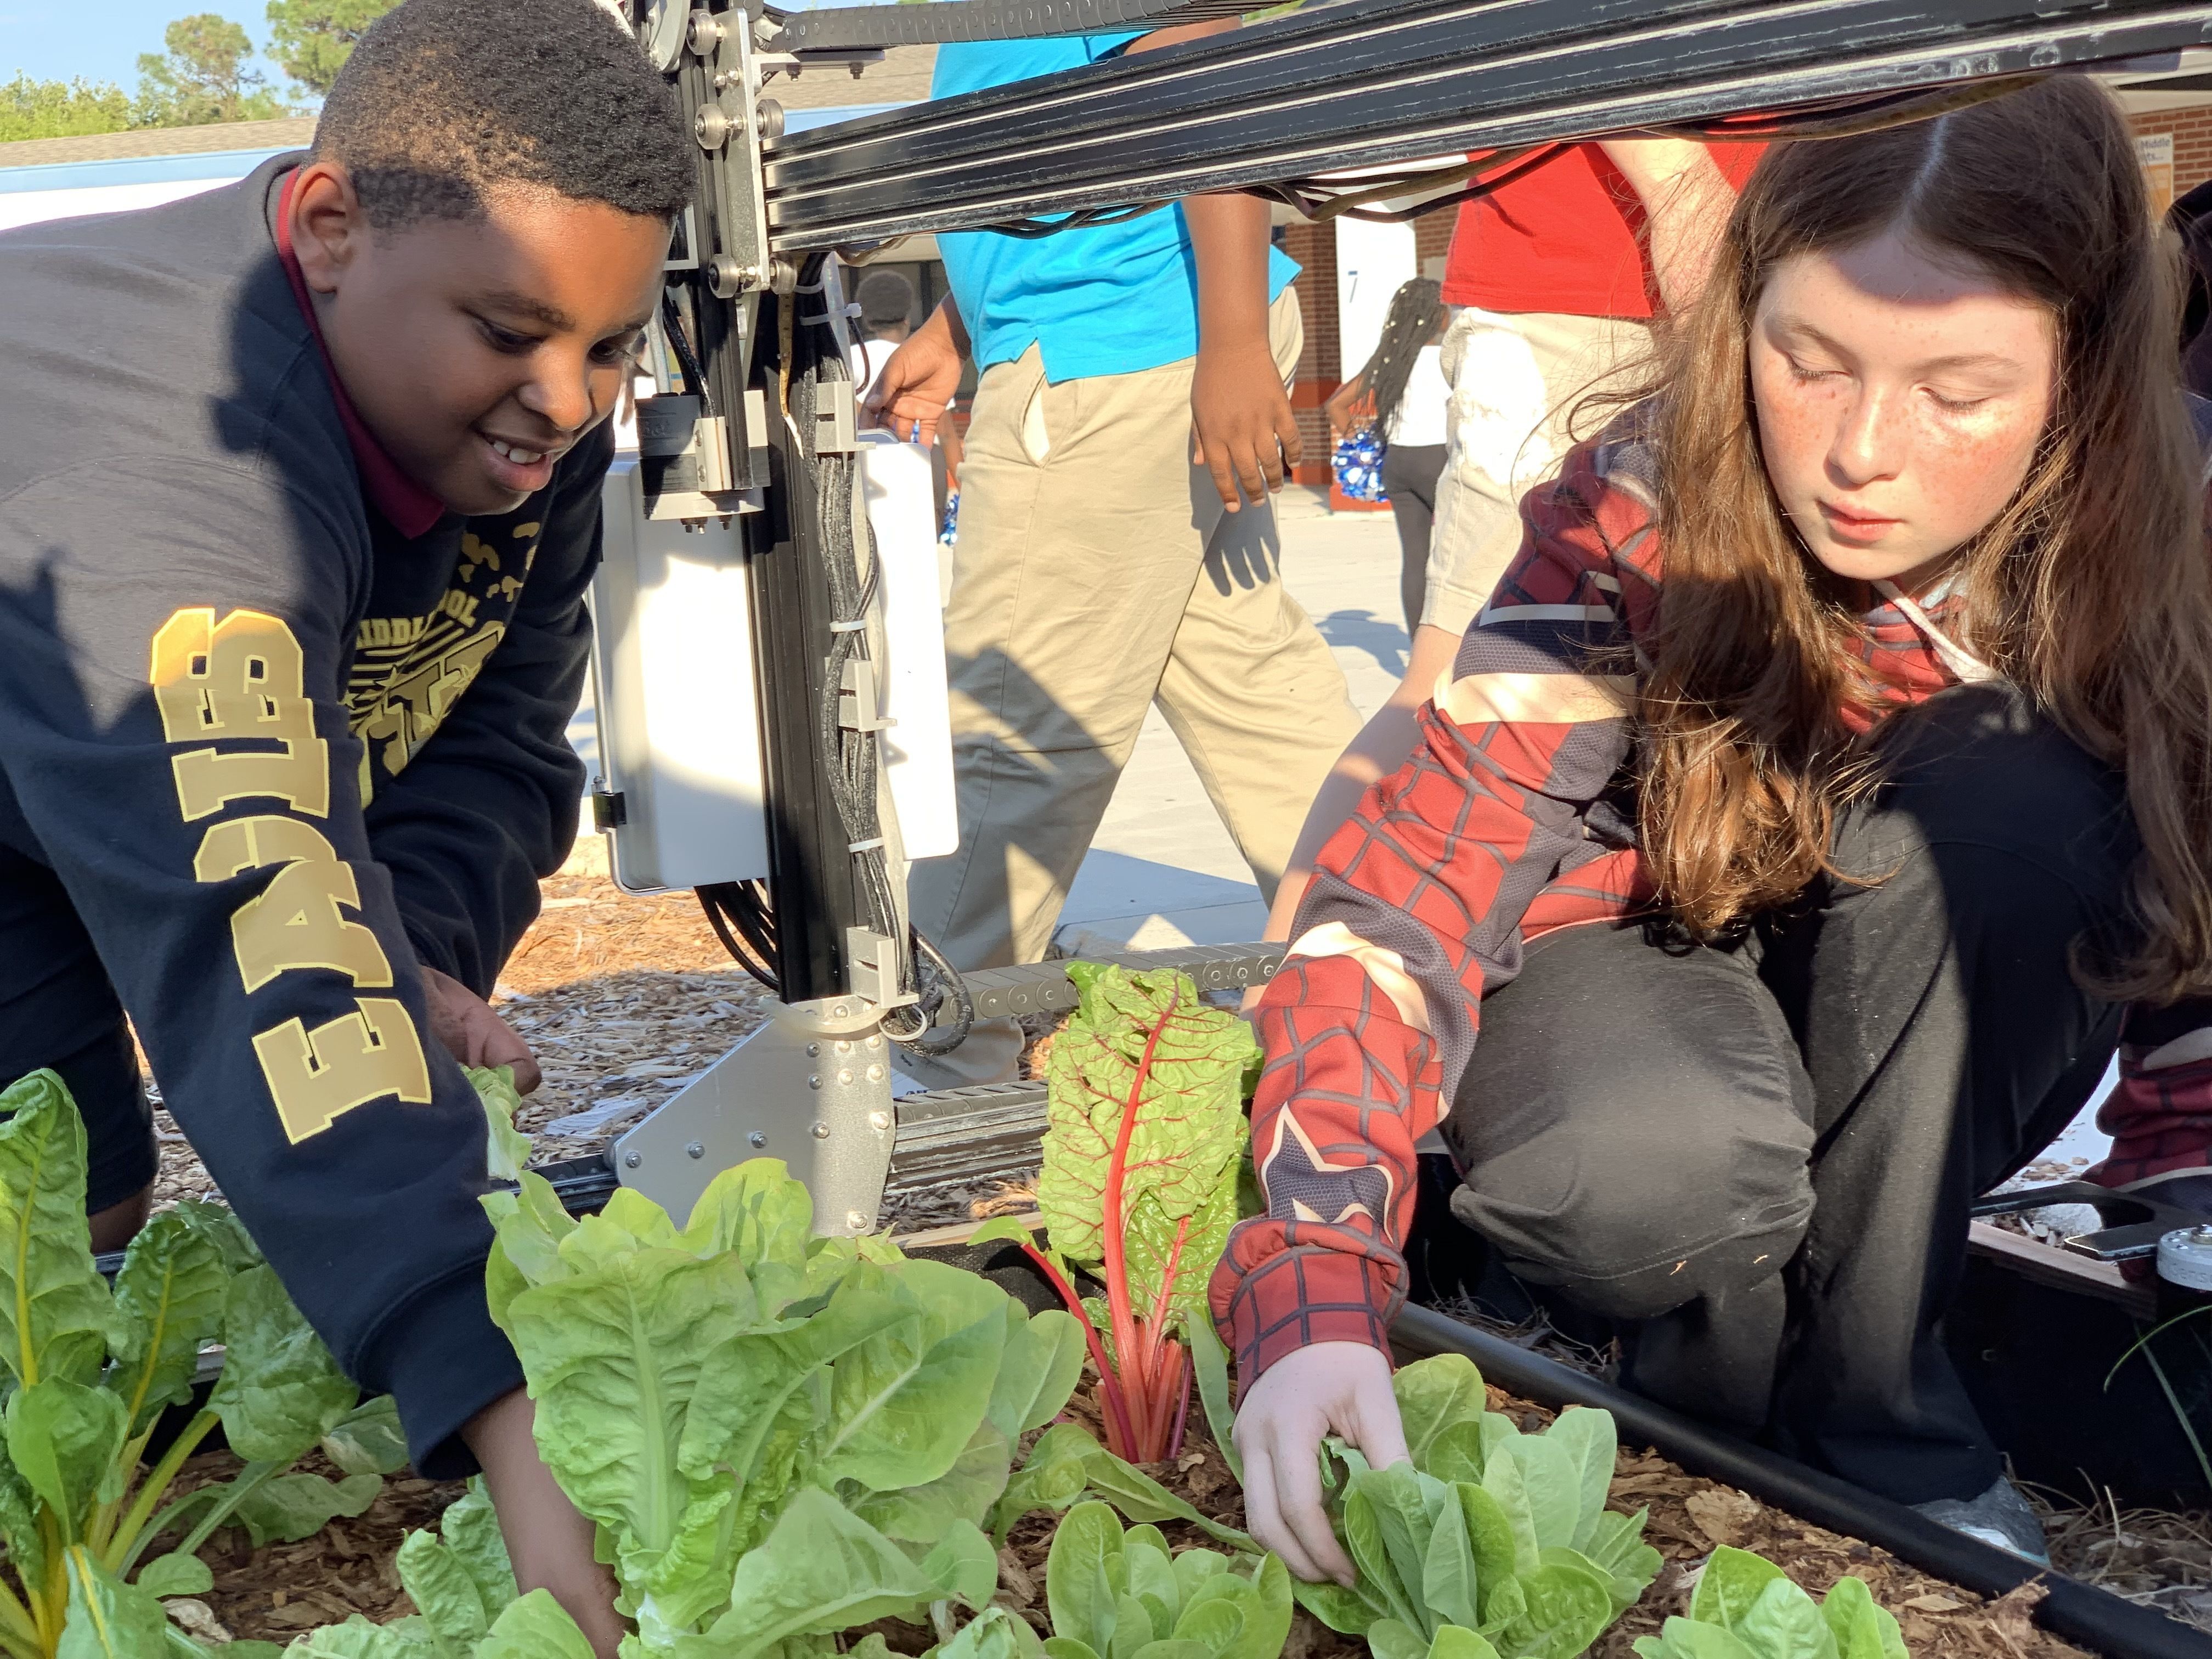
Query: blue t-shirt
[{"x": 1104, "y": 300}]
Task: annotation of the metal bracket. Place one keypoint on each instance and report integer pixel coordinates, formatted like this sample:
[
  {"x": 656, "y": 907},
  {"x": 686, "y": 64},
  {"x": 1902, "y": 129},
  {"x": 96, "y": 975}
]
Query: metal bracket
[
  {"x": 872, "y": 959},
  {"x": 811, "y": 1087},
  {"x": 729, "y": 128}
]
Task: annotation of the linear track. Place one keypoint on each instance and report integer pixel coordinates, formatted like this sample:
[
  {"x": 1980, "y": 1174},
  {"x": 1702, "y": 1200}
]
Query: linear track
[{"x": 1351, "y": 85}]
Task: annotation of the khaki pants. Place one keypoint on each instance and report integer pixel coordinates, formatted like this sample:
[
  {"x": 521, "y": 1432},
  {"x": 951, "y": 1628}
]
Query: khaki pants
[
  {"x": 1515, "y": 379},
  {"x": 1096, "y": 574}
]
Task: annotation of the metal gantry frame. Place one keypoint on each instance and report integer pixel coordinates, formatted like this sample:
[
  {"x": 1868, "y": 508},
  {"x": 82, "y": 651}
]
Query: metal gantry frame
[{"x": 1279, "y": 108}]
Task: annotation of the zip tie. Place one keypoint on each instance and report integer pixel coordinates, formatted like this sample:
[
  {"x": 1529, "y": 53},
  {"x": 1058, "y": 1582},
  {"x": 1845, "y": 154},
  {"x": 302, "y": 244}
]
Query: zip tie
[
  {"x": 869, "y": 845},
  {"x": 853, "y": 627}
]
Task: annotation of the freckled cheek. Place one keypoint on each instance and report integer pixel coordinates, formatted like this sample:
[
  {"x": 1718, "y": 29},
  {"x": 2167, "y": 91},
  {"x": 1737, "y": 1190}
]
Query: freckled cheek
[
  {"x": 1796, "y": 429},
  {"x": 1967, "y": 470}
]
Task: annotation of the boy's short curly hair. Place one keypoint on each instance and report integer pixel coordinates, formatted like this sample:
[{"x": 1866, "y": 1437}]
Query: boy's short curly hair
[{"x": 445, "y": 100}]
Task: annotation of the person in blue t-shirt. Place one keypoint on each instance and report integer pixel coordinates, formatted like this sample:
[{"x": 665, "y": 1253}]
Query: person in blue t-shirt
[{"x": 1132, "y": 390}]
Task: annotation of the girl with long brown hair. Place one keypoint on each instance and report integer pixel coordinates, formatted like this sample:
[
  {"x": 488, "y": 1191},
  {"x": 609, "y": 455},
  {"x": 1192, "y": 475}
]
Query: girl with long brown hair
[{"x": 1824, "y": 781}]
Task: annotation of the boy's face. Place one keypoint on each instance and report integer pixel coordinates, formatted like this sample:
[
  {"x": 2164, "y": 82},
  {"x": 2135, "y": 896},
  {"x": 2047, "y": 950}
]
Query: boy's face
[{"x": 478, "y": 351}]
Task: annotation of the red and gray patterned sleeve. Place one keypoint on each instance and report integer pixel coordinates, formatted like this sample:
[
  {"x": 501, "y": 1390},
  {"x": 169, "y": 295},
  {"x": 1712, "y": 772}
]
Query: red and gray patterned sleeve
[
  {"x": 2159, "y": 1117},
  {"x": 1416, "y": 907}
]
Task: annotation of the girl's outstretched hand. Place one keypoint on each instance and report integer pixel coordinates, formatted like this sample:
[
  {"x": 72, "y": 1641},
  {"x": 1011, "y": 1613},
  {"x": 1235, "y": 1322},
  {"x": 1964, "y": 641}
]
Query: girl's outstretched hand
[{"x": 1331, "y": 1388}]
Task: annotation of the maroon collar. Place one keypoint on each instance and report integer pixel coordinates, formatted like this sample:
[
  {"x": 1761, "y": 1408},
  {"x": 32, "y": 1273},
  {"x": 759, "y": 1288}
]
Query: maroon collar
[{"x": 410, "y": 508}]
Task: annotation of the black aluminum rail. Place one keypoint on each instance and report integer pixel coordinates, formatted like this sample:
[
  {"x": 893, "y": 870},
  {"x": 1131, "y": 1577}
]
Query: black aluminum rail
[
  {"x": 843, "y": 27},
  {"x": 1361, "y": 84}
]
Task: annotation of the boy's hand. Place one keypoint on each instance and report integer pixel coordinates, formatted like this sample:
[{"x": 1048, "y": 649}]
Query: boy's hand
[
  {"x": 472, "y": 1034},
  {"x": 549, "y": 1542},
  {"x": 1243, "y": 430},
  {"x": 909, "y": 397},
  {"x": 1330, "y": 1387}
]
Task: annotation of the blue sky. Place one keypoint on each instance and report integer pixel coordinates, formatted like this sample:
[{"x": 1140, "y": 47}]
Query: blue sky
[{"x": 57, "y": 42}]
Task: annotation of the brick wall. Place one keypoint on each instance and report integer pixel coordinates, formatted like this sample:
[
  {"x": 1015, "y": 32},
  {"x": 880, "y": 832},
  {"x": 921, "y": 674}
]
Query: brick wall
[
  {"x": 2192, "y": 142},
  {"x": 1432, "y": 238},
  {"x": 1320, "y": 369}
]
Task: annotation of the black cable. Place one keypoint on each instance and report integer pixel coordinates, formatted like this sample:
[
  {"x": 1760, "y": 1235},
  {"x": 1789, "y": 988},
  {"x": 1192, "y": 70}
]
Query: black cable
[{"x": 694, "y": 378}]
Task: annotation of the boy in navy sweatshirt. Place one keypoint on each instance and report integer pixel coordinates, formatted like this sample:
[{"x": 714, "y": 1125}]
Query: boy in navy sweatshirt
[{"x": 299, "y": 498}]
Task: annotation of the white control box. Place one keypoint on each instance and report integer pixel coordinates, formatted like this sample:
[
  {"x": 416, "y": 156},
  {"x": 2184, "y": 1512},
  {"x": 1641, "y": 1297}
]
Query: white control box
[{"x": 672, "y": 679}]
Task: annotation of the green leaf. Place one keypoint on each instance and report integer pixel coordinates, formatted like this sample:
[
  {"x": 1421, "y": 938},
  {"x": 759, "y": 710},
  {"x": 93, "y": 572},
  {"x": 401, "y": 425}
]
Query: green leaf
[
  {"x": 1434, "y": 1394},
  {"x": 613, "y": 1353},
  {"x": 1042, "y": 1362},
  {"x": 1551, "y": 1483},
  {"x": 903, "y": 1402},
  {"x": 1367, "y": 1539},
  {"x": 1450, "y": 1581},
  {"x": 108, "y": 1619},
  {"x": 821, "y": 1569},
  {"x": 1587, "y": 1437},
  {"x": 1732, "y": 1580},
  {"x": 536, "y": 1626},
  {"x": 1567, "y": 1608},
  {"x": 963, "y": 1567},
  {"x": 1056, "y": 1475},
  {"x": 506, "y": 1150},
  {"x": 19, "y": 1524},
  {"x": 1616, "y": 1547},
  {"x": 1349, "y": 1612},
  {"x": 1686, "y": 1639},
  {"x": 1456, "y": 1452},
  {"x": 529, "y": 1226},
  {"x": 176, "y": 1574},
  {"x": 66, "y": 1440},
  {"x": 1453, "y": 1642},
  {"x": 288, "y": 1507},
  {"x": 1388, "y": 1639},
  {"x": 280, "y": 1390},
  {"x": 470, "y": 1528},
  {"x": 438, "y": 1582},
  {"x": 357, "y": 1638},
  {"x": 1490, "y": 1539},
  {"x": 1862, "y": 1630},
  {"x": 168, "y": 1306},
  {"x": 1082, "y": 1577},
  {"x": 1182, "y": 1150},
  {"x": 369, "y": 1440},
  {"x": 1784, "y": 1623},
  {"x": 55, "y": 1311},
  {"x": 1209, "y": 1364},
  {"x": 758, "y": 1212},
  {"x": 966, "y": 1492},
  {"x": 1138, "y": 1496},
  {"x": 1502, "y": 1479},
  {"x": 220, "y": 1226},
  {"x": 994, "y": 1633}
]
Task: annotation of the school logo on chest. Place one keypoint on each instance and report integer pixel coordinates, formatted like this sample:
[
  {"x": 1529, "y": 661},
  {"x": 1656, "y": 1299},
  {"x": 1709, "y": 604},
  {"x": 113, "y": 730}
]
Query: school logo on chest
[{"x": 408, "y": 672}]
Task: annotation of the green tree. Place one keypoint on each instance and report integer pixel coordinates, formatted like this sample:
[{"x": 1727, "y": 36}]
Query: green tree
[
  {"x": 60, "y": 109},
  {"x": 312, "y": 39},
  {"x": 202, "y": 78}
]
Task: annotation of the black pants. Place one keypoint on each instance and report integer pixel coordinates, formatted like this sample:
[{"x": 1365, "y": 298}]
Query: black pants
[
  {"x": 1409, "y": 478},
  {"x": 57, "y": 1010},
  {"x": 1759, "y": 1159}
]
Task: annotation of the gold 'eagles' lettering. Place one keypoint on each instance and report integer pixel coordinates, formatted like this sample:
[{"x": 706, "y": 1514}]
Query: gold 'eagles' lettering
[
  {"x": 241, "y": 677},
  {"x": 318, "y": 1076},
  {"x": 295, "y": 922},
  {"x": 245, "y": 678}
]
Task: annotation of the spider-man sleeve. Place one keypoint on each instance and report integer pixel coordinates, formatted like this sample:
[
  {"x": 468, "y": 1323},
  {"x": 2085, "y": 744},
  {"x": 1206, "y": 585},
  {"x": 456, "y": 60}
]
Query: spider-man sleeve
[{"x": 1418, "y": 905}]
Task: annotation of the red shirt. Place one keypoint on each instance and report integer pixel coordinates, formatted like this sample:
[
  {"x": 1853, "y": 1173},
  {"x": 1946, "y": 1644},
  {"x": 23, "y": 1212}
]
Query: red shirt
[{"x": 1566, "y": 236}]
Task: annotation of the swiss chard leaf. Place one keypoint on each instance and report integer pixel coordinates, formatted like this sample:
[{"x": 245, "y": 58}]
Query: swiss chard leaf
[
  {"x": 55, "y": 1311},
  {"x": 280, "y": 1391},
  {"x": 107, "y": 1618},
  {"x": 368, "y": 1439},
  {"x": 64, "y": 1440},
  {"x": 287, "y": 1507},
  {"x": 168, "y": 1306}
]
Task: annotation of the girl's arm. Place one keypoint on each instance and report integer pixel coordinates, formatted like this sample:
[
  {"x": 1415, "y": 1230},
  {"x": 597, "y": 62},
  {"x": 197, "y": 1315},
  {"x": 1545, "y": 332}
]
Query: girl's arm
[
  {"x": 1686, "y": 199},
  {"x": 1416, "y": 907}
]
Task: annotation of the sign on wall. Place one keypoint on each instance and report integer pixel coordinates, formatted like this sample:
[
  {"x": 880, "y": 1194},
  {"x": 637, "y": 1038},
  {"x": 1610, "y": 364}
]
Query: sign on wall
[{"x": 2155, "y": 151}]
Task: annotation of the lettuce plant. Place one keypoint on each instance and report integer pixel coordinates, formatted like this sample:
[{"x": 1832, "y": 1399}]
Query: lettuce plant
[
  {"x": 779, "y": 1437},
  {"x": 89, "y": 1371},
  {"x": 1747, "y": 1608},
  {"x": 1117, "y": 1594},
  {"x": 1145, "y": 1127},
  {"x": 1486, "y": 1529}
]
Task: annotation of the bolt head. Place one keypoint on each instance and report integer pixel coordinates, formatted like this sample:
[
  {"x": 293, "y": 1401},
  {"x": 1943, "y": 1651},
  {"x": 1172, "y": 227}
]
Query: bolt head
[
  {"x": 841, "y": 1010},
  {"x": 631, "y": 1160},
  {"x": 879, "y": 1121},
  {"x": 875, "y": 1074},
  {"x": 695, "y": 1149},
  {"x": 819, "y": 1130},
  {"x": 814, "y": 1082},
  {"x": 813, "y": 1049},
  {"x": 856, "y": 1220},
  {"x": 757, "y": 1140},
  {"x": 844, "y": 1047},
  {"x": 845, "y": 1076}
]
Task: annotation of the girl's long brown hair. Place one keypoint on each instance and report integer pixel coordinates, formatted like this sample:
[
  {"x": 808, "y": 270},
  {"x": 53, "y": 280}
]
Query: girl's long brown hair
[{"x": 2092, "y": 590}]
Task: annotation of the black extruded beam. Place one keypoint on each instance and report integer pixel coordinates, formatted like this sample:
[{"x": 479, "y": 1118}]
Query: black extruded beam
[
  {"x": 945, "y": 21},
  {"x": 1350, "y": 84}
]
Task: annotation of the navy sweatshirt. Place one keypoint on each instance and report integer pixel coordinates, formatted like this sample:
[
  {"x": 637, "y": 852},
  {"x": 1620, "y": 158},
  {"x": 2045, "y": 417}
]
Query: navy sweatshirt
[{"x": 281, "y": 728}]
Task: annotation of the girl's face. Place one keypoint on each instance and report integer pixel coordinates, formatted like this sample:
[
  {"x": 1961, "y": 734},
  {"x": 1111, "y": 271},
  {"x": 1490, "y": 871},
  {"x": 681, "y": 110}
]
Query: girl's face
[{"x": 1899, "y": 401}]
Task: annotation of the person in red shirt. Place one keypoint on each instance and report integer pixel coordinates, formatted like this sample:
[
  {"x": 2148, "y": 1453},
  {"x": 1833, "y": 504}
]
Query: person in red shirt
[{"x": 1826, "y": 779}]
